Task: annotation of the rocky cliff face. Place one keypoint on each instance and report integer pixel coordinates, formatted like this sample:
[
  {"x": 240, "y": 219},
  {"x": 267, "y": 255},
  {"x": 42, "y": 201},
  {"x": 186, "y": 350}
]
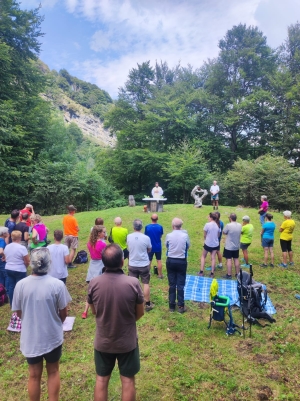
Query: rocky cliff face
[{"x": 91, "y": 127}]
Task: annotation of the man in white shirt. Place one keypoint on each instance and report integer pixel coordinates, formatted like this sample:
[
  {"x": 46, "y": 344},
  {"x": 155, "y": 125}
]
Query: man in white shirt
[
  {"x": 59, "y": 257},
  {"x": 177, "y": 243},
  {"x": 139, "y": 245},
  {"x": 41, "y": 301},
  {"x": 214, "y": 190},
  {"x": 157, "y": 191}
]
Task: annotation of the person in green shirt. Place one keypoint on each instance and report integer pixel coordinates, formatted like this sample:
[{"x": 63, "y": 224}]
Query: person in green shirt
[
  {"x": 246, "y": 239},
  {"x": 119, "y": 236}
]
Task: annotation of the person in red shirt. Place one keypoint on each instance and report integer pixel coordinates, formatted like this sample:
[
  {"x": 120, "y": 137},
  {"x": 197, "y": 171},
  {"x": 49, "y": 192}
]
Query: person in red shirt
[
  {"x": 28, "y": 209},
  {"x": 71, "y": 230}
]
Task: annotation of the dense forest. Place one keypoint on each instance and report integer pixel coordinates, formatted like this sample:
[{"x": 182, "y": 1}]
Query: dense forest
[{"x": 235, "y": 118}]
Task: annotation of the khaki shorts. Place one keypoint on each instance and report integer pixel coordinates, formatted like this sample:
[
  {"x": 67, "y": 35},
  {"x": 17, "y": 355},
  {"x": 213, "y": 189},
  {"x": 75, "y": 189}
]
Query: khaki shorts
[{"x": 71, "y": 242}]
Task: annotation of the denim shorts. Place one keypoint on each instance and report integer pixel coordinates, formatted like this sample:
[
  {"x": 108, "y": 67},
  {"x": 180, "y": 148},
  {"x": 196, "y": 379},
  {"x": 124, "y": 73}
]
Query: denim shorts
[{"x": 267, "y": 243}]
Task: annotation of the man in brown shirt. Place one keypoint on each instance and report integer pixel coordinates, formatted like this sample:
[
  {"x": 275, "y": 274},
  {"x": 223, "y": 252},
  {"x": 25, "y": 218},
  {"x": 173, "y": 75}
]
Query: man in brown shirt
[{"x": 118, "y": 302}]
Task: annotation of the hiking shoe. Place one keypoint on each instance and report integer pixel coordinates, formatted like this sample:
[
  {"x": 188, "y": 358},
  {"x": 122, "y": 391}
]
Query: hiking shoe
[
  {"x": 171, "y": 310},
  {"x": 245, "y": 265},
  {"x": 264, "y": 265},
  {"x": 84, "y": 315},
  {"x": 71, "y": 266},
  {"x": 227, "y": 277},
  {"x": 200, "y": 273},
  {"x": 220, "y": 266},
  {"x": 148, "y": 308},
  {"x": 291, "y": 263},
  {"x": 182, "y": 309},
  {"x": 271, "y": 265},
  {"x": 283, "y": 265}
]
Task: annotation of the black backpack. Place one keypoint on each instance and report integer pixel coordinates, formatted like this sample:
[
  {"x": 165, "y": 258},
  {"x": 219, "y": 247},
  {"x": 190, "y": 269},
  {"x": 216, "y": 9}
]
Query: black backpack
[
  {"x": 254, "y": 299},
  {"x": 3, "y": 295},
  {"x": 81, "y": 257}
]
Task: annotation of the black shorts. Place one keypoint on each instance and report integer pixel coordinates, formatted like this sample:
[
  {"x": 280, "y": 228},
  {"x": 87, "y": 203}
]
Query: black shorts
[
  {"x": 227, "y": 254},
  {"x": 157, "y": 255},
  {"x": 244, "y": 246},
  {"x": 51, "y": 357},
  {"x": 210, "y": 249},
  {"x": 286, "y": 246},
  {"x": 125, "y": 253},
  {"x": 129, "y": 362}
]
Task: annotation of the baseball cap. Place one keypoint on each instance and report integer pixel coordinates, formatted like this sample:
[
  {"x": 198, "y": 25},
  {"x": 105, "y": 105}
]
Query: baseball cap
[
  {"x": 29, "y": 205},
  {"x": 71, "y": 208},
  {"x": 246, "y": 218}
]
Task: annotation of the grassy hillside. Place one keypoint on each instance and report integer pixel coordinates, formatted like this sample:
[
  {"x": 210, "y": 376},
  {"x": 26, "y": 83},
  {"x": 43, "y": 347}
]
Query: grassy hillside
[{"x": 180, "y": 358}]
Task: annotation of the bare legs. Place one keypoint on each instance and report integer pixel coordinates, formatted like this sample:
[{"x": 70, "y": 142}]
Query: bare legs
[
  {"x": 266, "y": 255},
  {"x": 246, "y": 257},
  {"x": 213, "y": 260},
  {"x": 34, "y": 382},
  {"x": 147, "y": 292},
  {"x": 159, "y": 268},
  {"x": 229, "y": 266},
  {"x": 101, "y": 388}
]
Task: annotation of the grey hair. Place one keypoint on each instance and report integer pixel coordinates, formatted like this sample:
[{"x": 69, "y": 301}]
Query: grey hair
[
  {"x": 264, "y": 197},
  {"x": 40, "y": 260},
  {"x": 137, "y": 225},
  {"x": 177, "y": 223},
  {"x": 3, "y": 230}
]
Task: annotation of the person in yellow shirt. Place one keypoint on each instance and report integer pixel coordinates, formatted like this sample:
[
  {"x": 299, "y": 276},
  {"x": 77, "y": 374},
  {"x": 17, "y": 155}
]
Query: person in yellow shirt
[
  {"x": 119, "y": 236},
  {"x": 286, "y": 235},
  {"x": 71, "y": 230}
]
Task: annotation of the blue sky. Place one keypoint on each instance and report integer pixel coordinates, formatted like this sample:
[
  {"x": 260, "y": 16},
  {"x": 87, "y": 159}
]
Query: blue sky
[{"x": 101, "y": 40}]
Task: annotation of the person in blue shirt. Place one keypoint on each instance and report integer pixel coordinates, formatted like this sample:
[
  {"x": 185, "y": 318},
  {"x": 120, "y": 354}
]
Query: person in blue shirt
[
  {"x": 155, "y": 231},
  {"x": 3, "y": 276},
  {"x": 267, "y": 239},
  {"x": 10, "y": 223}
]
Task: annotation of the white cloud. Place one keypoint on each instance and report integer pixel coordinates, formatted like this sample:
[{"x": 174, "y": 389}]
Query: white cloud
[{"x": 170, "y": 30}]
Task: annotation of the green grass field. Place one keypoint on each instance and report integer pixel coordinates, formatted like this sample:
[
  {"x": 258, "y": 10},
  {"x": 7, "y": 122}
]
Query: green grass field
[{"x": 180, "y": 358}]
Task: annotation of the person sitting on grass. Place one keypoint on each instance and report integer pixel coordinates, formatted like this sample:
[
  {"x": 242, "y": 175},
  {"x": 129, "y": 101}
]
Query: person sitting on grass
[
  {"x": 95, "y": 246},
  {"x": 267, "y": 239},
  {"x": 211, "y": 243},
  {"x": 60, "y": 257},
  {"x": 41, "y": 301},
  {"x": 286, "y": 235},
  {"x": 246, "y": 239}
]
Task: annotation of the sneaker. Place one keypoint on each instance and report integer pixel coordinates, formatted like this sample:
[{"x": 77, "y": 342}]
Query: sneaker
[
  {"x": 84, "y": 315},
  {"x": 264, "y": 265},
  {"x": 291, "y": 263},
  {"x": 227, "y": 277},
  {"x": 271, "y": 265},
  {"x": 212, "y": 275},
  {"x": 182, "y": 309},
  {"x": 283, "y": 265},
  {"x": 246, "y": 266},
  {"x": 148, "y": 308},
  {"x": 220, "y": 266},
  {"x": 70, "y": 266}
]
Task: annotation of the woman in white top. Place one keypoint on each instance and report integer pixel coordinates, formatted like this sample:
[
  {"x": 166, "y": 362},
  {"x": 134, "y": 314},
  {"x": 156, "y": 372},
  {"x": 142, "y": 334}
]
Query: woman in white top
[
  {"x": 211, "y": 242},
  {"x": 17, "y": 261}
]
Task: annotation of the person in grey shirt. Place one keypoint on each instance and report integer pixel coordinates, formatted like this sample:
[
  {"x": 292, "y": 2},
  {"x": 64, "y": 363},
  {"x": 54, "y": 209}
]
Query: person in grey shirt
[
  {"x": 177, "y": 243},
  {"x": 232, "y": 245},
  {"x": 41, "y": 301},
  {"x": 139, "y": 245}
]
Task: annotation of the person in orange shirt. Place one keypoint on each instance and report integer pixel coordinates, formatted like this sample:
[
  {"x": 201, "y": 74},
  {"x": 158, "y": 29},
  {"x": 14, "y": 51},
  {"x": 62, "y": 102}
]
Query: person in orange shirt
[{"x": 71, "y": 229}]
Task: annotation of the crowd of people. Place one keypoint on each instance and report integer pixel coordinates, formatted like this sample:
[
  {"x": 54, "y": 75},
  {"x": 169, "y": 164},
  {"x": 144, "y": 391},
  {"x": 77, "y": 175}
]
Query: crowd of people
[{"x": 116, "y": 299}]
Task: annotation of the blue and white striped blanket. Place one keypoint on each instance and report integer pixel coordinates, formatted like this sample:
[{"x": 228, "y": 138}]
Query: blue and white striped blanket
[{"x": 198, "y": 288}]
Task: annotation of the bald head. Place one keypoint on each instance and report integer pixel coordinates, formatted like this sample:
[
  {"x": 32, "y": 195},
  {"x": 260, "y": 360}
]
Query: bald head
[
  {"x": 154, "y": 217},
  {"x": 118, "y": 221},
  {"x": 177, "y": 223}
]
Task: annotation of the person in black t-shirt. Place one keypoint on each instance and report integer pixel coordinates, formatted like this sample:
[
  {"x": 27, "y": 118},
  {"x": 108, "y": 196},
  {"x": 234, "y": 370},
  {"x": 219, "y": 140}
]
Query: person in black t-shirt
[{"x": 23, "y": 227}]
